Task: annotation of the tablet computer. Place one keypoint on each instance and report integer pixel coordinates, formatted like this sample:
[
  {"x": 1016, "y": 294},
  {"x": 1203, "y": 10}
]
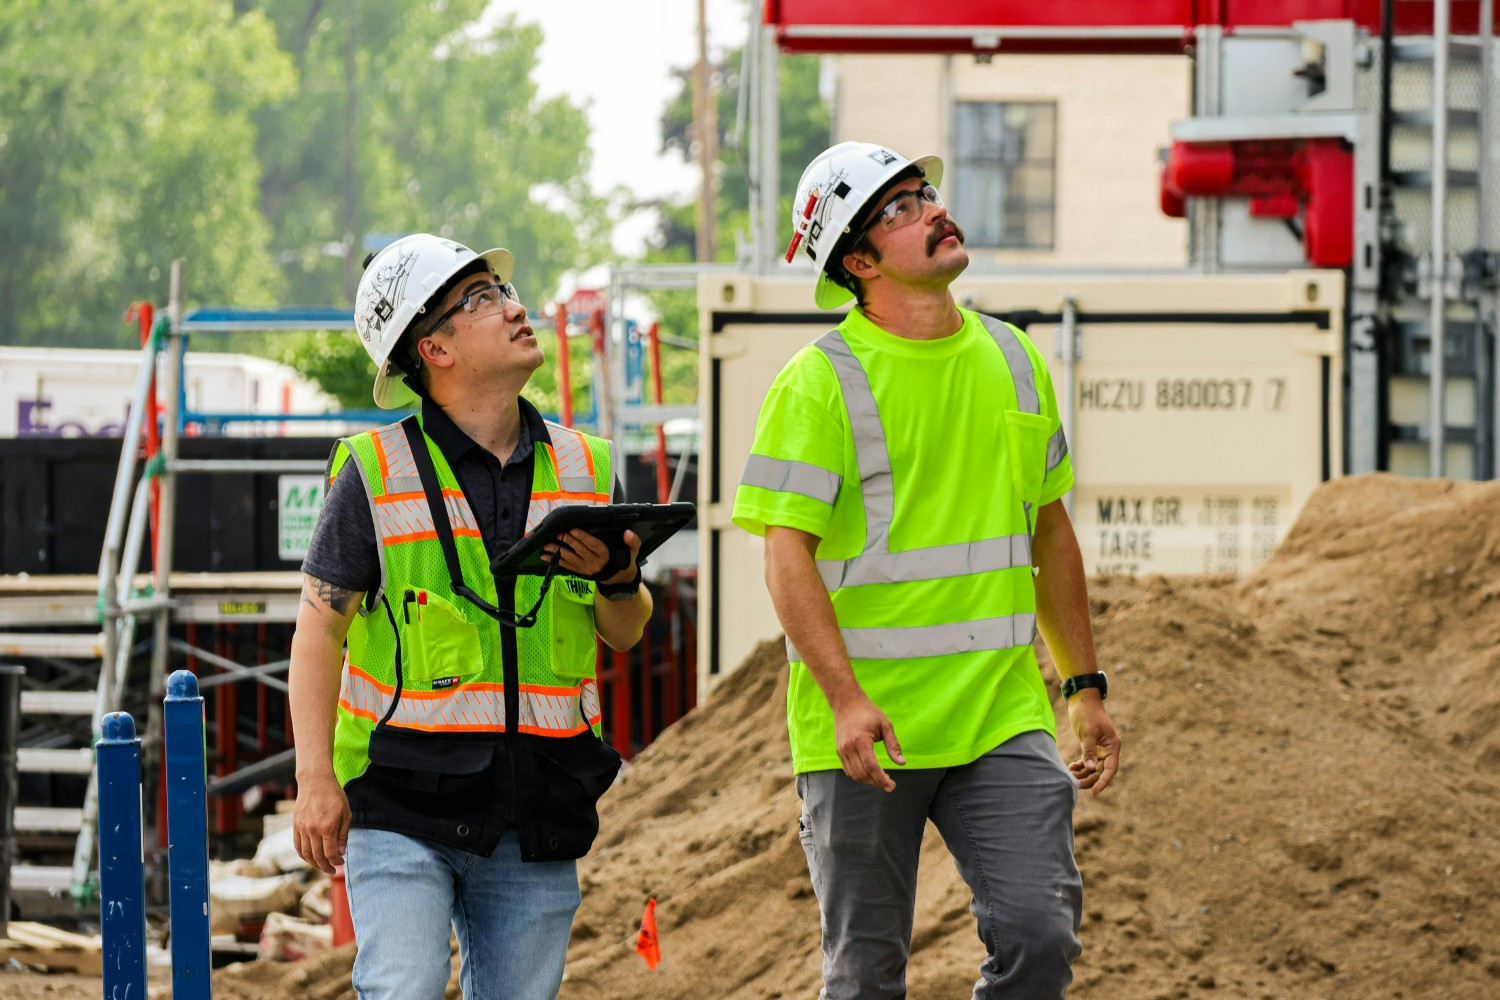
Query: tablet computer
[{"x": 653, "y": 522}]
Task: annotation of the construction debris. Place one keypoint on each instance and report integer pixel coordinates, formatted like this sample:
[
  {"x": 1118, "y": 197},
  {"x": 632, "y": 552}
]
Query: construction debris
[{"x": 45, "y": 947}]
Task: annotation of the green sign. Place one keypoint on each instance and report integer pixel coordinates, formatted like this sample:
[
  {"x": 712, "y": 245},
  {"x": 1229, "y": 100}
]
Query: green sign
[{"x": 299, "y": 499}]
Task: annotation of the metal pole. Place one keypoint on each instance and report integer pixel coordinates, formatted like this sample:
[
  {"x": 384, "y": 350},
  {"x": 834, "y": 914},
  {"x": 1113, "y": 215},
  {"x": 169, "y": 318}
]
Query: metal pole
[
  {"x": 768, "y": 127},
  {"x": 166, "y": 521},
  {"x": 10, "y": 726},
  {"x": 1439, "y": 271},
  {"x": 1068, "y": 352},
  {"x": 187, "y": 837},
  {"x": 1489, "y": 203},
  {"x": 122, "y": 884}
]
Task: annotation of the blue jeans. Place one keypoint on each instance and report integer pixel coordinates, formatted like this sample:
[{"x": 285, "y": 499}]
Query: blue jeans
[{"x": 513, "y": 919}]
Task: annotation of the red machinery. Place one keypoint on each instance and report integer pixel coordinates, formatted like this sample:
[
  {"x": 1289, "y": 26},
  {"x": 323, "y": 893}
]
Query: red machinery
[
  {"x": 1103, "y": 26},
  {"x": 1283, "y": 176}
]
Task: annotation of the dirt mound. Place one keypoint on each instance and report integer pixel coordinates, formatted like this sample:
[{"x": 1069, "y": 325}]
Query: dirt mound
[{"x": 1308, "y": 806}]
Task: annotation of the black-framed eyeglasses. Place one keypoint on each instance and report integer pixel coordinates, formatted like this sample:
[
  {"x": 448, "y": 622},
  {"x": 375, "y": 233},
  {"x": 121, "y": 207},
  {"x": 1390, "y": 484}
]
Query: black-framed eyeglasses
[
  {"x": 486, "y": 298},
  {"x": 904, "y": 208}
]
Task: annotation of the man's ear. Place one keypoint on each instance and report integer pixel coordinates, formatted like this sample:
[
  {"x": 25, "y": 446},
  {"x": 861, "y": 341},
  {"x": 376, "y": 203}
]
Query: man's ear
[
  {"x": 433, "y": 352},
  {"x": 859, "y": 265}
]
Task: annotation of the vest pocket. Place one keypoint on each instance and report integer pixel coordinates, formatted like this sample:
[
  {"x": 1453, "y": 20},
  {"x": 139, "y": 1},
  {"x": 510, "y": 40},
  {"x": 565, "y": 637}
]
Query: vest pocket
[
  {"x": 575, "y": 653},
  {"x": 559, "y": 814},
  {"x": 1026, "y": 436},
  {"x": 439, "y": 787},
  {"x": 442, "y": 646}
]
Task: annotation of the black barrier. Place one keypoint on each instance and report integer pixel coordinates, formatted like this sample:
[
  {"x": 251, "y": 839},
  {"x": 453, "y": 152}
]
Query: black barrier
[
  {"x": 55, "y": 495},
  {"x": 10, "y": 724}
]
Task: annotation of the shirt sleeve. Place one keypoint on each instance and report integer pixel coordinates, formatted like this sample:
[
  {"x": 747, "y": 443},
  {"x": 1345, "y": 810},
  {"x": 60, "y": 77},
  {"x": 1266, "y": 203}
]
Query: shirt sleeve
[
  {"x": 1058, "y": 478},
  {"x": 343, "y": 550},
  {"x": 795, "y": 468}
]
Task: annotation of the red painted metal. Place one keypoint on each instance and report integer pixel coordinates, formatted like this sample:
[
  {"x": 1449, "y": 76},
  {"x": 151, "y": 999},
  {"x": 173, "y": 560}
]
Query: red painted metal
[
  {"x": 1081, "y": 26},
  {"x": 663, "y": 480},
  {"x": 620, "y": 722},
  {"x": 262, "y": 693},
  {"x": 564, "y": 372},
  {"x": 648, "y": 684},
  {"x": 1281, "y": 177},
  {"x": 1327, "y": 172},
  {"x": 143, "y": 314}
]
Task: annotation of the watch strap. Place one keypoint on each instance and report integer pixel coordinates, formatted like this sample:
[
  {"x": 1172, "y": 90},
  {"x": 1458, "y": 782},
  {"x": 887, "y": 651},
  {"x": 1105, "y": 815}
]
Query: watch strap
[
  {"x": 1076, "y": 683},
  {"x": 621, "y": 591}
]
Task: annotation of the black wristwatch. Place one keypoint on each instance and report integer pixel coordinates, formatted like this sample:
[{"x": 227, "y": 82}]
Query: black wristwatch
[
  {"x": 1076, "y": 683},
  {"x": 621, "y": 591}
]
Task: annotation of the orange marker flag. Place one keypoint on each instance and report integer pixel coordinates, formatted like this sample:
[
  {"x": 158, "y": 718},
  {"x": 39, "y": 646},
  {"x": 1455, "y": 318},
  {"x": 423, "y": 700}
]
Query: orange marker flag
[{"x": 646, "y": 944}]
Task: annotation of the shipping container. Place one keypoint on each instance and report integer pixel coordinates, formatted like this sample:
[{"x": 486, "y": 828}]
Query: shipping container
[{"x": 1201, "y": 411}]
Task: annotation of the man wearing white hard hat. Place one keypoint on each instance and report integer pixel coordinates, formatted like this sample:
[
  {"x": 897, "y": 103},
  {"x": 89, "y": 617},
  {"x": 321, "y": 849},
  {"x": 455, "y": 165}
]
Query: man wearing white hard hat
[
  {"x": 451, "y": 760},
  {"x": 907, "y": 474}
]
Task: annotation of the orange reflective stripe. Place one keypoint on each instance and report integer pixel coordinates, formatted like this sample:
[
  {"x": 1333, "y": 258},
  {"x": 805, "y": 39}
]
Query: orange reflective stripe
[
  {"x": 396, "y": 459},
  {"x": 545, "y": 710},
  {"x": 571, "y": 453}
]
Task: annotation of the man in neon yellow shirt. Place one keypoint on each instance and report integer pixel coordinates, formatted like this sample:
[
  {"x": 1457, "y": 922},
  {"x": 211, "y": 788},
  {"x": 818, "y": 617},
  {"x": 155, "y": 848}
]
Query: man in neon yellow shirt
[{"x": 907, "y": 475}]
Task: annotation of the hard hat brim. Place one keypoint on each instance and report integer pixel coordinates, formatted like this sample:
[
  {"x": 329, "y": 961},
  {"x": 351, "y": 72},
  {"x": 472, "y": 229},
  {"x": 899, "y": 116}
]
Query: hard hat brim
[{"x": 391, "y": 391}]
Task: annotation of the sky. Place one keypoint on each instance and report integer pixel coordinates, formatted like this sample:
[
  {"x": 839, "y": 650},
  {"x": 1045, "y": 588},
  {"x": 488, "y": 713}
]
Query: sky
[{"x": 615, "y": 57}]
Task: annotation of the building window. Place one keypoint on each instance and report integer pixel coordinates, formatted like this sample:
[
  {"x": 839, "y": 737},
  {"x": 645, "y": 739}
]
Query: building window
[{"x": 1005, "y": 177}]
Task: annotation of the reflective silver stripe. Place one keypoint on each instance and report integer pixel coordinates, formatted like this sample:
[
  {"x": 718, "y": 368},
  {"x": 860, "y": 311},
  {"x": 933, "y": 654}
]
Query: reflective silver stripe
[
  {"x": 572, "y": 454},
  {"x": 403, "y": 484},
  {"x": 588, "y": 700},
  {"x": 400, "y": 464},
  {"x": 558, "y": 712},
  {"x": 1021, "y": 372},
  {"x": 910, "y": 642},
  {"x": 789, "y": 476},
  {"x": 1057, "y": 449},
  {"x": 540, "y": 507},
  {"x": 366, "y": 606},
  {"x": 400, "y": 519},
  {"x": 934, "y": 563},
  {"x": 870, "y": 455}
]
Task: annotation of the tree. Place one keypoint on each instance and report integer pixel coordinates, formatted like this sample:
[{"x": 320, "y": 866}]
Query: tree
[
  {"x": 448, "y": 135},
  {"x": 126, "y": 140},
  {"x": 805, "y": 129}
]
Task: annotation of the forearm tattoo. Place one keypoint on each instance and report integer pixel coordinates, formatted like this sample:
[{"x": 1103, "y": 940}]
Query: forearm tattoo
[{"x": 333, "y": 596}]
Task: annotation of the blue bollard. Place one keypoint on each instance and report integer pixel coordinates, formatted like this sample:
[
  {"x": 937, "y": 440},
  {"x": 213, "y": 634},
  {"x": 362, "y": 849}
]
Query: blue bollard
[
  {"x": 187, "y": 838},
  {"x": 122, "y": 885}
]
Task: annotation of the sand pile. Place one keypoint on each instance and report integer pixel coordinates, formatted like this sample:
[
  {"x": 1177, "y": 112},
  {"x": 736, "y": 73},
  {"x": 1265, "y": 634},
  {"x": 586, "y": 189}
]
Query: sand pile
[{"x": 1308, "y": 806}]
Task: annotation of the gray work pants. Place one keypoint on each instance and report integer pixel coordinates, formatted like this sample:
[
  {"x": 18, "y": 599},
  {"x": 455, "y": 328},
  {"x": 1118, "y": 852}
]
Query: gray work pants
[{"x": 1008, "y": 820}]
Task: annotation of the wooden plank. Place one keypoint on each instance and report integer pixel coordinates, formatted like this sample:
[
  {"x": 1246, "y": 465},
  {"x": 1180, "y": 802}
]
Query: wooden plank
[
  {"x": 52, "y": 948},
  {"x": 55, "y": 760}
]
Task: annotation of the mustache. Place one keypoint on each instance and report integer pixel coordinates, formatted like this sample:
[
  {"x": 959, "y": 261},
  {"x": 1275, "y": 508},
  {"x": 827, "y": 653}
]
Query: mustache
[{"x": 941, "y": 232}]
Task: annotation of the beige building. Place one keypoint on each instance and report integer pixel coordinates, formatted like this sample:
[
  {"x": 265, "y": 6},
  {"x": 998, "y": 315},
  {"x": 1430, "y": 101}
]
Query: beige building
[{"x": 1051, "y": 160}]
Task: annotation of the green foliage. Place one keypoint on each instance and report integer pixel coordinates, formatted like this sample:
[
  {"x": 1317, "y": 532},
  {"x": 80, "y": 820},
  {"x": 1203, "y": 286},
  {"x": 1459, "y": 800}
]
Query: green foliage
[
  {"x": 806, "y": 124},
  {"x": 261, "y": 141},
  {"x": 805, "y": 130},
  {"x": 126, "y": 139}
]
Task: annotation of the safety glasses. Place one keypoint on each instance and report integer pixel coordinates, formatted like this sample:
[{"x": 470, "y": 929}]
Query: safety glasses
[
  {"x": 485, "y": 299},
  {"x": 903, "y": 209}
]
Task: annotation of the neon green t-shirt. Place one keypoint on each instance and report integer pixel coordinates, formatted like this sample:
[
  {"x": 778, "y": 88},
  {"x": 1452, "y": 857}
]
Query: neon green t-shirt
[{"x": 947, "y": 413}]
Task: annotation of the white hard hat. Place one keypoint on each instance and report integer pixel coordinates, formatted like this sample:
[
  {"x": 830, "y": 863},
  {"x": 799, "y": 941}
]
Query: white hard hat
[
  {"x": 832, "y": 195},
  {"x": 396, "y": 288}
]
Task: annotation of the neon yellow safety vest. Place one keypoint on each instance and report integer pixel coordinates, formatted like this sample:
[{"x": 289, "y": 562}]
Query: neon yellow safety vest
[
  {"x": 424, "y": 660},
  {"x": 938, "y": 633}
]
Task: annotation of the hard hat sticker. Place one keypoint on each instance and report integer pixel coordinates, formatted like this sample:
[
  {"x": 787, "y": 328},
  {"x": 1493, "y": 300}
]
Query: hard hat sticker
[
  {"x": 387, "y": 286},
  {"x": 884, "y": 157}
]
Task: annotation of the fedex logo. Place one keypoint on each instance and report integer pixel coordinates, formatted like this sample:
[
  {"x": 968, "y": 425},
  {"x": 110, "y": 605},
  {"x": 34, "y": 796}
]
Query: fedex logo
[{"x": 32, "y": 421}]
